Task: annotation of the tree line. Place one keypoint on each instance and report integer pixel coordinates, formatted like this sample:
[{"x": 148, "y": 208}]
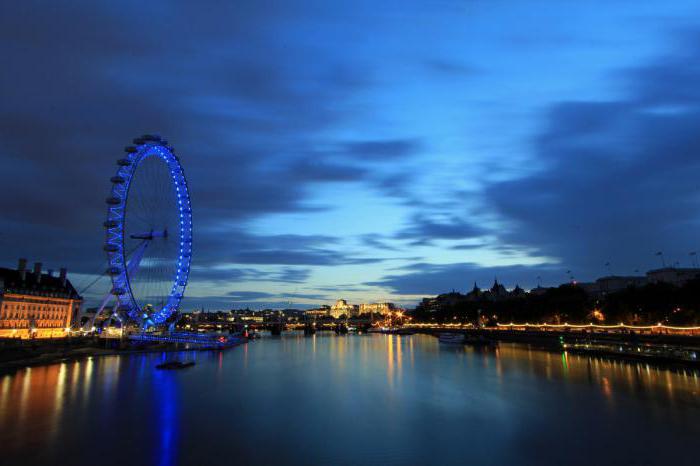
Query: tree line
[{"x": 569, "y": 303}]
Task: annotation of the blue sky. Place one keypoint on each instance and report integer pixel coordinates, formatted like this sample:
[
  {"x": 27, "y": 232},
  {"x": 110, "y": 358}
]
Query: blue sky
[{"x": 365, "y": 150}]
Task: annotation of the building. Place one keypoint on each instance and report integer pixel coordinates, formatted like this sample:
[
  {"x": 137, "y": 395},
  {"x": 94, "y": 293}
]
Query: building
[
  {"x": 342, "y": 308},
  {"x": 615, "y": 283},
  {"x": 474, "y": 294},
  {"x": 497, "y": 291},
  {"x": 96, "y": 321},
  {"x": 674, "y": 276},
  {"x": 323, "y": 311},
  {"x": 377, "y": 308},
  {"x": 538, "y": 290},
  {"x": 34, "y": 304},
  {"x": 612, "y": 284},
  {"x": 517, "y": 292}
]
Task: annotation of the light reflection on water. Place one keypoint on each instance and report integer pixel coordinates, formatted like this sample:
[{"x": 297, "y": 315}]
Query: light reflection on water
[{"x": 327, "y": 399}]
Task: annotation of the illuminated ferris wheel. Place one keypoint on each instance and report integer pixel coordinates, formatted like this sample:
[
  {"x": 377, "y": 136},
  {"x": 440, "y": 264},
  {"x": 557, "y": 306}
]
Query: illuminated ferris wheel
[{"x": 148, "y": 232}]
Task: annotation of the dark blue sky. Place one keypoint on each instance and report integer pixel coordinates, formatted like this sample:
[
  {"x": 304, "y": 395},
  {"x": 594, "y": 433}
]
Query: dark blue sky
[{"x": 348, "y": 149}]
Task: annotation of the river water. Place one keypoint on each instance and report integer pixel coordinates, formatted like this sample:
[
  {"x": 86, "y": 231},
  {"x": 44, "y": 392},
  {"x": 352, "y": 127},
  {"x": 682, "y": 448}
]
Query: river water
[{"x": 347, "y": 400}]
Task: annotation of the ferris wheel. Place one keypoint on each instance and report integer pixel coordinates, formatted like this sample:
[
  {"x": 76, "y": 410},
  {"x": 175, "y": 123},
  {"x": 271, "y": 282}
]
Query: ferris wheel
[{"x": 148, "y": 233}]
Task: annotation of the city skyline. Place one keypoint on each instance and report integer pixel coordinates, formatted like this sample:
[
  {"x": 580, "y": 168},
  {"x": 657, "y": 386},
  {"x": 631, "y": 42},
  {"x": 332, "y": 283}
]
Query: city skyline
[{"x": 332, "y": 150}]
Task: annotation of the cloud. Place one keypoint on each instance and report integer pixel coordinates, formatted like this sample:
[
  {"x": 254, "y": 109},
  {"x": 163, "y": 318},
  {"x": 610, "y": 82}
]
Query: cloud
[
  {"x": 249, "y": 295},
  {"x": 619, "y": 179},
  {"x": 430, "y": 279},
  {"x": 424, "y": 229},
  {"x": 451, "y": 68},
  {"x": 231, "y": 274},
  {"x": 235, "y": 246},
  {"x": 243, "y": 119},
  {"x": 377, "y": 241},
  {"x": 290, "y": 275},
  {"x": 311, "y": 296},
  {"x": 262, "y": 114},
  {"x": 223, "y": 303},
  {"x": 386, "y": 149}
]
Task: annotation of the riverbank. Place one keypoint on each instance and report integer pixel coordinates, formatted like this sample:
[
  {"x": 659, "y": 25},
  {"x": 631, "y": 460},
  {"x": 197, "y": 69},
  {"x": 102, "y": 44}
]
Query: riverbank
[
  {"x": 666, "y": 351},
  {"x": 18, "y": 356}
]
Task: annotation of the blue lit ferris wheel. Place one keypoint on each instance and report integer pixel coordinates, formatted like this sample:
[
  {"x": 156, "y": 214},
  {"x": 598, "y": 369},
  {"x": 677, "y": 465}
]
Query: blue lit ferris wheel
[{"x": 148, "y": 232}]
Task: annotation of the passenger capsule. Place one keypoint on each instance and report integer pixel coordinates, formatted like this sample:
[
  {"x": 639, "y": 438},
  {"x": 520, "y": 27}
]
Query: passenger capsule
[
  {"x": 117, "y": 179},
  {"x": 130, "y": 149},
  {"x": 111, "y": 247},
  {"x": 113, "y": 201},
  {"x": 124, "y": 162},
  {"x": 111, "y": 224}
]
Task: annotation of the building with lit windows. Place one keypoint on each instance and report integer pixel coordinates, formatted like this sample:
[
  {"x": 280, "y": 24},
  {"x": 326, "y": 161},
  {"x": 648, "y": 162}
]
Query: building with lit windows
[
  {"x": 323, "y": 311},
  {"x": 34, "y": 304},
  {"x": 342, "y": 308},
  {"x": 377, "y": 308}
]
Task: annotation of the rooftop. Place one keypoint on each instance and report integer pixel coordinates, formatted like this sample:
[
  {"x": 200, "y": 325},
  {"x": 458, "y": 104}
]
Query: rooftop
[{"x": 11, "y": 282}]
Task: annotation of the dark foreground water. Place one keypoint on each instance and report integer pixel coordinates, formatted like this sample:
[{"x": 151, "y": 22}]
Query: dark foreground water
[{"x": 330, "y": 399}]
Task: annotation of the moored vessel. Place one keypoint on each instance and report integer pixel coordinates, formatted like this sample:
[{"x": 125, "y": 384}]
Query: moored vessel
[{"x": 171, "y": 365}]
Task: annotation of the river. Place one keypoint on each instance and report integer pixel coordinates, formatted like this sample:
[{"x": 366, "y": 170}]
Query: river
[{"x": 347, "y": 400}]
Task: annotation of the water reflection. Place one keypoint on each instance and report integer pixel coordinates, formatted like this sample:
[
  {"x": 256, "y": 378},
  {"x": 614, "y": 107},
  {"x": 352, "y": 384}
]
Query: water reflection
[
  {"x": 611, "y": 376},
  {"x": 166, "y": 404},
  {"x": 59, "y": 393},
  {"x": 380, "y": 399}
]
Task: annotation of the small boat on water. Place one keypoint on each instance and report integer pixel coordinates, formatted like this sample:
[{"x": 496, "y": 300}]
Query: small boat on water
[
  {"x": 452, "y": 338},
  {"x": 171, "y": 365}
]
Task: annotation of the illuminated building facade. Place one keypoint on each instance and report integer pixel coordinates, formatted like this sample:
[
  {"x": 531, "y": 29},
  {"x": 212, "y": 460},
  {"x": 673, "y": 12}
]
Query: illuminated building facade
[
  {"x": 342, "y": 308},
  {"x": 377, "y": 308},
  {"x": 35, "y": 304},
  {"x": 323, "y": 311}
]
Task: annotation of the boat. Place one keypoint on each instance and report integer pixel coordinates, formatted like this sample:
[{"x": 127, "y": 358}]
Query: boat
[
  {"x": 171, "y": 365},
  {"x": 452, "y": 338},
  {"x": 398, "y": 331}
]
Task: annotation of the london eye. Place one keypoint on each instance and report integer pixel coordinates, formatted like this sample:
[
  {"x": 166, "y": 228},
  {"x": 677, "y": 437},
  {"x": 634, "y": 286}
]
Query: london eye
[{"x": 148, "y": 232}]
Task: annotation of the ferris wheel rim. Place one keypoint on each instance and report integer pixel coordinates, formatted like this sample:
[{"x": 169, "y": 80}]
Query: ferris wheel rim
[{"x": 145, "y": 147}]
